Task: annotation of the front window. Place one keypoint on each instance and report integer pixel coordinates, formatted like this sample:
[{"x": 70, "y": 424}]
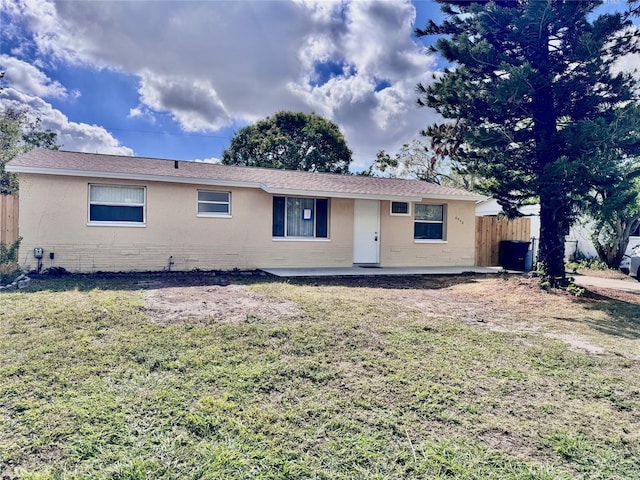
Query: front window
[
  {"x": 214, "y": 204},
  {"x": 429, "y": 222},
  {"x": 116, "y": 204},
  {"x": 300, "y": 217}
]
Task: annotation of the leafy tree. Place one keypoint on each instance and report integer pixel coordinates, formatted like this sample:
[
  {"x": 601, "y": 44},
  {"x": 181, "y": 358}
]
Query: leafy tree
[
  {"x": 19, "y": 134},
  {"x": 291, "y": 141},
  {"x": 418, "y": 161},
  {"x": 613, "y": 199},
  {"x": 530, "y": 94},
  {"x": 383, "y": 166},
  {"x": 614, "y": 206}
]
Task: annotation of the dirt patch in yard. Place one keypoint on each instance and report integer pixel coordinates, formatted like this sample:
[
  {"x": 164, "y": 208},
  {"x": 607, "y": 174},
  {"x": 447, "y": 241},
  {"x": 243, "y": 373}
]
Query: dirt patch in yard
[
  {"x": 600, "y": 323},
  {"x": 517, "y": 305},
  {"x": 504, "y": 440},
  {"x": 214, "y": 303}
]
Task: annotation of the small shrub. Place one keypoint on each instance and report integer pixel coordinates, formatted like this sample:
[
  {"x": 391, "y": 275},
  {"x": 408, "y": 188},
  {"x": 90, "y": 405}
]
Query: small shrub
[
  {"x": 537, "y": 270},
  {"x": 9, "y": 255},
  {"x": 571, "y": 266},
  {"x": 55, "y": 271},
  {"x": 9, "y": 275},
  {"x": 586, "y": 264},
  {"x": 8, "y": 261},
  {"x": 545, "y": 285},
  {"x": 575, "y": 290}
]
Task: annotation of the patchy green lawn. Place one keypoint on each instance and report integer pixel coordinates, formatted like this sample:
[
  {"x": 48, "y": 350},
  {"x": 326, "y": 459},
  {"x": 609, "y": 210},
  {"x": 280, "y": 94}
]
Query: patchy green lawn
[{"x": 250, "y": 378}]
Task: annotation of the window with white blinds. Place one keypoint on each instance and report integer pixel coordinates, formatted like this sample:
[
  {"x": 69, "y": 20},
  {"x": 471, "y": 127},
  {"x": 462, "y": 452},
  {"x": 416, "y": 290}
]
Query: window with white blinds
[{"x": 116, "y": 204}]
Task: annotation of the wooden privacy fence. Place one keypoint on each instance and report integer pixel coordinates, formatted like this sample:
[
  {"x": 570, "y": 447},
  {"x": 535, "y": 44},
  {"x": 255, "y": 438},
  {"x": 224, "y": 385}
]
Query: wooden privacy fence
[
  {"x": 490, "y": 231},
  {"x": 8, "y": 219}
]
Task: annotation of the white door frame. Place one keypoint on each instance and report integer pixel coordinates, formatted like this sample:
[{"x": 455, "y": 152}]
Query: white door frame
[{"x": 366, "y": 232}]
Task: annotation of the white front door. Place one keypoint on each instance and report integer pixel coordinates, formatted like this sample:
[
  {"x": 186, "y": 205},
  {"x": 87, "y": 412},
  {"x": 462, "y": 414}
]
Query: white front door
[{"x": 366, "y": 231}]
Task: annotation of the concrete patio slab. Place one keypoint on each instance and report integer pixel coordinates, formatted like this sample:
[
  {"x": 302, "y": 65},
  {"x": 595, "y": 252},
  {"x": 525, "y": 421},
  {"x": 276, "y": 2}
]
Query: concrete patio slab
[{"x": 358, "y": 271}]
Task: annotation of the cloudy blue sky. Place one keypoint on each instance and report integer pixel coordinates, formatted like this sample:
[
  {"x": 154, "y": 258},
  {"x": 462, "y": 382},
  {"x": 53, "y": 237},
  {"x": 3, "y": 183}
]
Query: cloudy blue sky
[{"x": 175, "y": 79}]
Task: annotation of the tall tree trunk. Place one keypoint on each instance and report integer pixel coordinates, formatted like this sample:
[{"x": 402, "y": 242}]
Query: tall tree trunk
[
  {"x": 553, "y": 226},
  {"x": 554, "y": 210},
  {"x": 551, "y": 181}
]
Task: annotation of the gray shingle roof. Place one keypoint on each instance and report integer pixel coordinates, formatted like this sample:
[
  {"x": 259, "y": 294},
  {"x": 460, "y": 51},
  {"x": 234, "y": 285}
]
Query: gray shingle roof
[{"x": 59, "y": 162}]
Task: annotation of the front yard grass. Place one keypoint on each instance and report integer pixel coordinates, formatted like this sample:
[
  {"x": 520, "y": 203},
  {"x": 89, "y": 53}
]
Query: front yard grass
[{"x": 466, "y": 378}]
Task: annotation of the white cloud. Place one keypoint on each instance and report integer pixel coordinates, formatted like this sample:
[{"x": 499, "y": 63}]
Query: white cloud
[
  {"x": 136, "y": 112},
  {"x": 211, "y": 64},
  {"x": 79, "y": 137},
  {"x": 194, "y": 105},
  {"x": 29, "y": 79},
  {"x": 208, "y": 160},
  {"x": 630, "y": 63}
]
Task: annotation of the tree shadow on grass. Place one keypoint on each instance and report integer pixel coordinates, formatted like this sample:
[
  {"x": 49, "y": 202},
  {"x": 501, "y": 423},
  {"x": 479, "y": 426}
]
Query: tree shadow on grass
[
  {"x": 393, "y": 282},
  {"x": 623, "y": 313},
  {"x": 158, "y": 280},
  {"x": 131, "y": 281}
]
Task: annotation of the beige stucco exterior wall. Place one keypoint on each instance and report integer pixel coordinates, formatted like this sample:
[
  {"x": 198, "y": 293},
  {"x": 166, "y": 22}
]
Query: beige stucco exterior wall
[
  {"x": 53, "y": 216},
  {"x": 397, "y": 247}
]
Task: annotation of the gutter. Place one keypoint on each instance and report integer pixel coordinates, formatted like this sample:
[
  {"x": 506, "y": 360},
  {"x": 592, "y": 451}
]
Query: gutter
[{"x": 234, "y": 183}]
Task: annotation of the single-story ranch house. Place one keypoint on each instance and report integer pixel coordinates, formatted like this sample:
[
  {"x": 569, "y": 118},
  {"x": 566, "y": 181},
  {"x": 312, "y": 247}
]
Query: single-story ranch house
[{"x": 91, "y": 212}]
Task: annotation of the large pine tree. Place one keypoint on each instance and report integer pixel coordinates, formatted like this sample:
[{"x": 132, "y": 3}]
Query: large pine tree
[{"x": 533, "y": 94}]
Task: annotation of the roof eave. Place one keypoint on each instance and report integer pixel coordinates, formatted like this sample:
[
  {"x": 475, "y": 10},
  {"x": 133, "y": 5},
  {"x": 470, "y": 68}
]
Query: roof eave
[
  {"x": 131, "y": 176},
  {"x": 328, "y": 193},
  {"x": 365, "y": 196},
  {"x": 234, "y": 183}
]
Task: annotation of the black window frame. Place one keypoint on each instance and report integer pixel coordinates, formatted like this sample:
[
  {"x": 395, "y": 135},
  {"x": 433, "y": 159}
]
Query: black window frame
[
  {"x": 320, "y": 216},
  {"x": 400, "y": 214}
]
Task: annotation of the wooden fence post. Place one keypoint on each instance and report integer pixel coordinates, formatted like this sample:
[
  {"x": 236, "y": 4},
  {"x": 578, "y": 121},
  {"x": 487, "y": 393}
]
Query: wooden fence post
[{"x": 8, "y": 219}]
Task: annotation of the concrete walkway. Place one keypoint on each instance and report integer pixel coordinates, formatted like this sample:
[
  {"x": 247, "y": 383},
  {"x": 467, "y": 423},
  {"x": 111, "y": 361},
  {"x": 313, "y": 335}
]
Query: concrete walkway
[
  {"x": 372, "y": 271},
  {"x": 624, "y": 285}
]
